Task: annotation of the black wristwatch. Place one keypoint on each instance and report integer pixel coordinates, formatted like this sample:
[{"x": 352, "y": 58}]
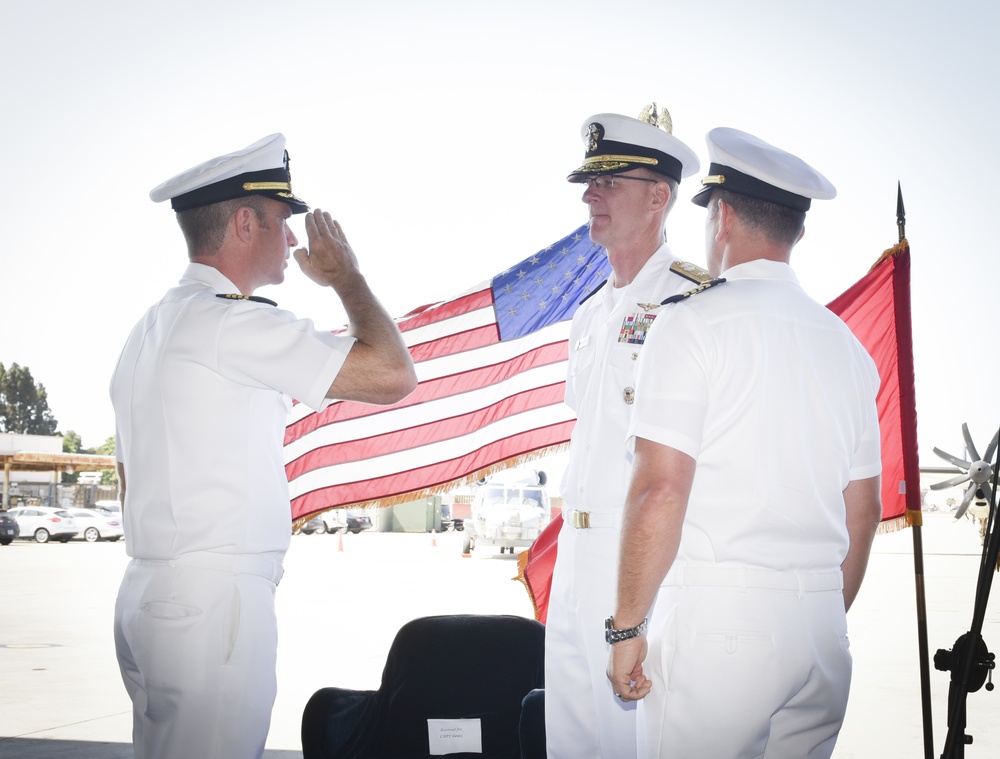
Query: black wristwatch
[{"x": 611, "y": 635}]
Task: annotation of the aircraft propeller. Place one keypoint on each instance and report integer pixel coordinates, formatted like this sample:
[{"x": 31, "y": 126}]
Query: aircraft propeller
[{"x": 977, "y": 472}]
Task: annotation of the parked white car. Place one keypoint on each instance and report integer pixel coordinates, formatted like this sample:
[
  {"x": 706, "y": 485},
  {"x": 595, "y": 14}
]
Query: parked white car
[
  {"x": 113, "y": 506},
  {"x": 44, "y": 522},
  {"x": 97, "y": 524}
]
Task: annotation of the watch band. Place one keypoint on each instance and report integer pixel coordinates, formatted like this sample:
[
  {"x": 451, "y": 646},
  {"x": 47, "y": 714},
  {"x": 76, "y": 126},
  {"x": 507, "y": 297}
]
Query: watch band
[{"x": 611, "y": 635}]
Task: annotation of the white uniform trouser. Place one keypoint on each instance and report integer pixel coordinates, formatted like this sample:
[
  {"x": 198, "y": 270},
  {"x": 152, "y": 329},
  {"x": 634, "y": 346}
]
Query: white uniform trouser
[
  {"x": 743, "y": 669},
  {"x": 197, "y": 645},
  {"x": 583, "y": 718}
]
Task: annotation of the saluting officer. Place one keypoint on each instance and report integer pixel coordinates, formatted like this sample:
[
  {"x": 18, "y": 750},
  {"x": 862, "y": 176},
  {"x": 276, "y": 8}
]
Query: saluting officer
[
  {"x": 631, "y": 171},
  {"x": 201, "y": 393}
]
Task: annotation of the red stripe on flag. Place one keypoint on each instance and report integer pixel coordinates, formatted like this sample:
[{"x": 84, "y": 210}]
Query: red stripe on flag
[
  {"x": 424, "y": 434},
  {"x": 440, "y": 473},
  {"x": 457, "y": 343},
  {"x": 448, "y": 310},
  {"x": 434, "y": 389}
]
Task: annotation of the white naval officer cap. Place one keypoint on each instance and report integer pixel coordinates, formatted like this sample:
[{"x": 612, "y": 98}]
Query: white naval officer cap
[
  {"x": 747, "y": 165},
  {"x": 258, "y": 169},
  {"x": 616, "y": 143}
]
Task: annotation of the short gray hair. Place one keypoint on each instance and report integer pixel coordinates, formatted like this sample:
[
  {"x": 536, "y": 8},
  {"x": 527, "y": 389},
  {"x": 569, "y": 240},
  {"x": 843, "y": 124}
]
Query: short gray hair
[{"x": 204, "y": 227}]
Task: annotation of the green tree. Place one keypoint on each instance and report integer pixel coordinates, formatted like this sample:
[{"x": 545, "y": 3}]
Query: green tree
[
  {"x": 108, "y": 476},
  {"x": 72, "y": 443},
  {"x": 24, "y": 404}
]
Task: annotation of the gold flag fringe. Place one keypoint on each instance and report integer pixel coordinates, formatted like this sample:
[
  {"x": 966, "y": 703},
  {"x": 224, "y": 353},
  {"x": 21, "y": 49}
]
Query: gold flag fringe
[
  {"x": 522, "y": 564},
  {"x": 444, "y": 487},
  {"x": 896, "y": 250},
  {"x": 892, "y": 525},
  {"x": 909, "y": 518}
]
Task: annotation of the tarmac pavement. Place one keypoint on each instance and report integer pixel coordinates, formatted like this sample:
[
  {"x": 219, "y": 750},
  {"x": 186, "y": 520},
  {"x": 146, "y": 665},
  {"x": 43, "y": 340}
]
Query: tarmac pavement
[{"x": 338, "y": 611}]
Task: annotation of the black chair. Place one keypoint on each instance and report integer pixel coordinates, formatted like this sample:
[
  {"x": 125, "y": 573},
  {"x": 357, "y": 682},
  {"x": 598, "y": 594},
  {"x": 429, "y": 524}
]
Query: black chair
[
  {"x": 532, "y": 726},
  {"x": 447, "y": 667}
]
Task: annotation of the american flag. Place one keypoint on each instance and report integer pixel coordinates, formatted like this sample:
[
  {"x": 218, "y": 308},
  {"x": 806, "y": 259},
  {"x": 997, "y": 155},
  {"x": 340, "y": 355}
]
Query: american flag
[{"x": 491, "y": 365}]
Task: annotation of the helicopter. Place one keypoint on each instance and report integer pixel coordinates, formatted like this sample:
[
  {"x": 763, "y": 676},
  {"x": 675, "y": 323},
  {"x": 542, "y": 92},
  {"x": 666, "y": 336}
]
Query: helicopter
[{"x": 510, "y": 509}]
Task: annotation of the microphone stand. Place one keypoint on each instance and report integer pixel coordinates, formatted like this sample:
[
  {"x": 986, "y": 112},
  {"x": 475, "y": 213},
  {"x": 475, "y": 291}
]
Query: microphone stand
[{"x": 970, "y": 662}]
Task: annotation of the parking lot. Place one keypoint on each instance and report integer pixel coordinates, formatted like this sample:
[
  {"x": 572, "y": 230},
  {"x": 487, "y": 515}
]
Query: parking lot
[{"x": 62, "y": 696}]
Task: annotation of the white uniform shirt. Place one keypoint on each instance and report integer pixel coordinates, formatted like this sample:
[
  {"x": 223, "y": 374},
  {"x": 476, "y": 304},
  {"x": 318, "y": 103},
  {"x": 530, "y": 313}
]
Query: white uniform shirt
[
  {"x": 774, "y": 397},
  {"x": 605, "y": 340},
  {"x": 201, "y": 393}
]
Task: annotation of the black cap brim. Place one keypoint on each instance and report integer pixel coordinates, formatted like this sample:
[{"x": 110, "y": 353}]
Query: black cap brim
[
  {"x": 728, "y": 178},
  {"x": 271, "y": 183}
]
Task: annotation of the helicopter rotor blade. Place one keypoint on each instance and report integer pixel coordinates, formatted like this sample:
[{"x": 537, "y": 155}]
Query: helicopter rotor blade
[
  {"x": 951, "y": 483},
  {"x": 966, "y": 500},
  {"x": 960, "y": 463},
  {"x": 970, "y": 447},
  {"x": 992, "y": 447}
]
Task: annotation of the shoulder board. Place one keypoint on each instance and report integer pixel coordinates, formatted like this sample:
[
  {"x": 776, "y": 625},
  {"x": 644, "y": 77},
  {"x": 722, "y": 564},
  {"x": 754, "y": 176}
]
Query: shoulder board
[
  {"x": 691, "y": 272},
  {"x": 592, "y": 293},
  {"x": 700, "y": 288},
  {"x": 240, "y": 296}
]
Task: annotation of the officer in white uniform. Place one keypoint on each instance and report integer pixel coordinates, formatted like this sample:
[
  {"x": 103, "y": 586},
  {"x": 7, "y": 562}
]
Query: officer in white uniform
[
  {"x": 754, "y": 497},
  {"x": 631, "y": 171},
  {"x": 201, "y": 393}
]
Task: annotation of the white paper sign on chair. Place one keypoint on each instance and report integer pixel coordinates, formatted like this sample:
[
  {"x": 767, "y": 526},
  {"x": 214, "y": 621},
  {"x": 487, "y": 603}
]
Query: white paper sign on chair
[{"x": 454, "y": 736}]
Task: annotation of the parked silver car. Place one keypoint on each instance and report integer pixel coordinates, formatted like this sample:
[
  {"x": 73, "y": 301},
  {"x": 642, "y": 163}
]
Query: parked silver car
[
  {"x": 44, "y": 522},
  {"x": 338, "y": 520},
  {"x": 97, "y": 524}
]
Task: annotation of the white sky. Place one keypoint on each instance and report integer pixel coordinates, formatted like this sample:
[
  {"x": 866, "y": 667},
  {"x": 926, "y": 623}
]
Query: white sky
[{"x": 440, "y": 134}]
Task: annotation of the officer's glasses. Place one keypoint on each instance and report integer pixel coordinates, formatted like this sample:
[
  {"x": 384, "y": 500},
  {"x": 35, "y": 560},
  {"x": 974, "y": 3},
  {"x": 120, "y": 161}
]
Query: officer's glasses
[{"x": 608, "y": 181}]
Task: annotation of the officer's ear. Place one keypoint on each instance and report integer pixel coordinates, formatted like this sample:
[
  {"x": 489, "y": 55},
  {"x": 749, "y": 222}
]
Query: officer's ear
[
  {"x": 661, "y": 195},
  {"x": 727, "y": 219},
  {"x": 243, "y": 224}
]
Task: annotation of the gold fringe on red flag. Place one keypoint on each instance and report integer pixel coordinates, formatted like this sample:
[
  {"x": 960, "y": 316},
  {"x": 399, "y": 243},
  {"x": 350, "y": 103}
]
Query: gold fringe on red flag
[
  {"x": 896, "y": 250},
  {"x": 522, "y": 564},
  {"x": 910, "y": 518}
]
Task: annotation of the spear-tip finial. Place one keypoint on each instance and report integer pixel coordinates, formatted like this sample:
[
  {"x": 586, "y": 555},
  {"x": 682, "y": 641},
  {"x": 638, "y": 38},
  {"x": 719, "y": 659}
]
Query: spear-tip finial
[{"x": 900, "y": 212}]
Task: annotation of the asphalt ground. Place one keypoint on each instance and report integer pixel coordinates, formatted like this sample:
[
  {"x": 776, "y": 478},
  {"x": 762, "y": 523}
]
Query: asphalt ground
[{"x": 338, "y": 610}]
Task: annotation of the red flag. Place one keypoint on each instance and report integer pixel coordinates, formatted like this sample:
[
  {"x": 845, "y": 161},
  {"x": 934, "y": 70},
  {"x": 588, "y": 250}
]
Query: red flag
[
  {"x": 877, "y": 309},
  {"x": 491, "y": 366}
]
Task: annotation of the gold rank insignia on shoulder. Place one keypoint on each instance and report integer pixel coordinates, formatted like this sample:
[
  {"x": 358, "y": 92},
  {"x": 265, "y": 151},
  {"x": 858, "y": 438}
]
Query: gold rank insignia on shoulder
[
  {"x": 241, "y": 296},
  {"x": 699, "y": 289},
  {"x": 691, "y": 272}
]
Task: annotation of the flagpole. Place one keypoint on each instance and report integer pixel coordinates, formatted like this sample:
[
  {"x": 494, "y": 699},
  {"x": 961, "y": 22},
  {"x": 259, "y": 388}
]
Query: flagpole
[{"x": 918, "y": 568}]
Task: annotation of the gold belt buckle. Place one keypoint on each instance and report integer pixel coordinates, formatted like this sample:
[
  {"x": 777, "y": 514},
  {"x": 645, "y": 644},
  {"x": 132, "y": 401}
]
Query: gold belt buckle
[{"x": 581, "y": 520}]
